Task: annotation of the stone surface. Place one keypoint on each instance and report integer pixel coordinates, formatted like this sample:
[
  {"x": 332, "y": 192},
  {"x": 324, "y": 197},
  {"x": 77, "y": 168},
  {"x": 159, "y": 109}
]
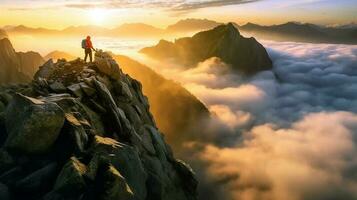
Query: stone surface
[
  {"x": 32, "y": 125},
  {"x": 103, "y": 145}
]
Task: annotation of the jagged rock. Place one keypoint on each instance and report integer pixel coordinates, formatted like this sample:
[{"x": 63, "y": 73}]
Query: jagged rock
[
  {"x": 57, "y": 87},
  {"x": 32, "y": 125},
  {"x": 76, "y": 90},
  {"x": 126, "y": 160},
  {"x": 89, "y": 91},
  {"x": 104, "y": 145},
  {"x": 77, "y": 132},
  {"x": 115, "y": 186},
  {"x": 71, "y": 179},
  {"x": 45, "y": 70},
  {"x": 245, "y": 55}
]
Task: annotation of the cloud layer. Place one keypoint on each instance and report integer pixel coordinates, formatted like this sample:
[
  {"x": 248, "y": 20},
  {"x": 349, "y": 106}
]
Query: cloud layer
[{"x": 293, "y": 129}]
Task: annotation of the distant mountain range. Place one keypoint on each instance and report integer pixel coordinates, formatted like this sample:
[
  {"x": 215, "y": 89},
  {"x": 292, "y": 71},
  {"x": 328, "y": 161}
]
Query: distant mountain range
[
  {"x": 291, "y": 31},
  {"x": 225, "y": 42},
  {"x": 299, "y": 32}
]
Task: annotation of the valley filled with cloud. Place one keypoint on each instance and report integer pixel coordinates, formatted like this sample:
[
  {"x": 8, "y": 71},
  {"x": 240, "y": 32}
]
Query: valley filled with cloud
[{"x": 292, "y": 129}]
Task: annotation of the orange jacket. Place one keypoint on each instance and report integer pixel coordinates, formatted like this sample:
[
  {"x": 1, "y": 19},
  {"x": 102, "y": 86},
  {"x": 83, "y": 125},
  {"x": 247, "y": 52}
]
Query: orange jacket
[{"x": 89, "y": 44}]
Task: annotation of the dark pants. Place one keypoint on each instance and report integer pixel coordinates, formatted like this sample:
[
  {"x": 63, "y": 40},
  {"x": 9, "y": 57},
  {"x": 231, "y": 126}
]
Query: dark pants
[{"x": 88, "y": 52}]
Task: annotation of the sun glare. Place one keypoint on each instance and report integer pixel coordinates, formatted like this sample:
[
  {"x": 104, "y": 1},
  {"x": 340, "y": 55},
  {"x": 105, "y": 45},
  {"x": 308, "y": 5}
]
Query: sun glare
[{"x": 98, "y": 16}]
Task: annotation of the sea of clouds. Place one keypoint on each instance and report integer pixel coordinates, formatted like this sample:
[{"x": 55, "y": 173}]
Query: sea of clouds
[{"x": 294, "y": 128}]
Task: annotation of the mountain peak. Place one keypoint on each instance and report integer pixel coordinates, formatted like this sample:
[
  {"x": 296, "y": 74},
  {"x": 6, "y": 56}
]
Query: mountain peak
[
  {"x": 224, "y": 41},
  {"x": 86, "y": 131}
]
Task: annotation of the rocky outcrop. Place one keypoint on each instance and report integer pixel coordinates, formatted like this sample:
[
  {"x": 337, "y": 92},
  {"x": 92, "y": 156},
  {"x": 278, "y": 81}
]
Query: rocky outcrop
[
  {"x": 3, "y": 34},
  {"x": 79, "y": 132},
  {"x": 225, "y": 42},
  {"x": 17, "y": 67}
]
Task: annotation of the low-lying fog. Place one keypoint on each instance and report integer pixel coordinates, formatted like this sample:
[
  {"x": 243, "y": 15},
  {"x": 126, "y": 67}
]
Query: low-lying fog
[{"x": 294, "y": 127}]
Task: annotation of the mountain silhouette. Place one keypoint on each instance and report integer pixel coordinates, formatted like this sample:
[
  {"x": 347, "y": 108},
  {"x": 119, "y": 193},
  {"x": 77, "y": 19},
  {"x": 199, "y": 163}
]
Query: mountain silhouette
[
  {"x": 17, "y": 67},
  {"x": 225, "y": 42},
  {"x": 302, "y": 32}
]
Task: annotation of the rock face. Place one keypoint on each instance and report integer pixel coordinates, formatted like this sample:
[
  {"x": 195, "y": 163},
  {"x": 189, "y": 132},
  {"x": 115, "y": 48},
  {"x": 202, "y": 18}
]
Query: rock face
[
  {"x": 3, "y": 34},
  {"x": 79, "y": 132},
  {"x": 243, "y": 54},
  {"x": 17, "y": 67}
]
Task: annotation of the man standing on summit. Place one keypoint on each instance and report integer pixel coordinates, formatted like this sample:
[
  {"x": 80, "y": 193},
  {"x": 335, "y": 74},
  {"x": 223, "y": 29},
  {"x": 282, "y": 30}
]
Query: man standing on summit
[{"x": 87, "y": 46}]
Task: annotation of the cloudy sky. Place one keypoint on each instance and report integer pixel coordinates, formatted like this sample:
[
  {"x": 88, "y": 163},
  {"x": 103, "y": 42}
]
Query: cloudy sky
[{"x": 110, "y": 13}]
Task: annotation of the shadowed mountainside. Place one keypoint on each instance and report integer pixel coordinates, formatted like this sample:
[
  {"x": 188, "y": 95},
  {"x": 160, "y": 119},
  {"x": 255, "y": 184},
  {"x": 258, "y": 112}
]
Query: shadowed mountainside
[
  {"x": 17, "y": 67},
  {"x": 84, "y": 131},
  {"x": 3, "y": 34},
  {"x": 225, "y": 42}
]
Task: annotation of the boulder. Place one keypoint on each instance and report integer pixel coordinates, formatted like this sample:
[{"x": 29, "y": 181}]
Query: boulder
[
  {"x": 32, "y": 125},
  {"x": 76, "y": 90},
  {"x": 115, "y": 186},
  {"x": 71, "y": 178},
  {"x": 57, "y": 87},
  {"x": 126, "y": 160},
  {"x": 76, "y": 132},
  {"x": 45, "y": 70}
]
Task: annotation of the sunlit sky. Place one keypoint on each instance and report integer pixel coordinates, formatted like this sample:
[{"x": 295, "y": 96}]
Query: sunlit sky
[{"x": 110, "y": 13}]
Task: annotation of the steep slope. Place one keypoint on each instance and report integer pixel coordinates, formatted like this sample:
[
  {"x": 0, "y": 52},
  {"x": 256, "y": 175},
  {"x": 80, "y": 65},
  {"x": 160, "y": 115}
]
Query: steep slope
[
  {"x": 177, "y": 112},
  {"x": 243, "y": 54},
  {"x": 167, "y": 97},
  {"x": 300, "y": 32},
  {"x": 84, "y": 131},
  {"x": 9, "y": 64},
  {"x": 3, "y": 34},
  {"x": 29, "y": 62},
  {"x": 55, "y": 55},
  {"x": 192, "y": 25},
  {"x": 17, "y": 67}
]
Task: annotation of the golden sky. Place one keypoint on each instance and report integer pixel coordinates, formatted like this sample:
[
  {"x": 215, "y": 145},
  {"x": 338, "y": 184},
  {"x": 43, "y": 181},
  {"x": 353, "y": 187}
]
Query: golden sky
[{"x": 110, "y": 13}]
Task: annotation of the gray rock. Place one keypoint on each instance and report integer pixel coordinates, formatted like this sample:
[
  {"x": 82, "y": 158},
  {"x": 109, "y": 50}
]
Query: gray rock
[
  {"x": 70, "y": 179},
  {"x": 57, "y": 87},
  {"x": 45, "y": 70},
  {"x": 76, "y": 90},
  {"x": 32, "y": 125},
  {"x": 115, "y": 186},
  {"x": 77, "y": 132},
  {"x": 89, "y": 91},
  {"x": 126, "y": 160}
]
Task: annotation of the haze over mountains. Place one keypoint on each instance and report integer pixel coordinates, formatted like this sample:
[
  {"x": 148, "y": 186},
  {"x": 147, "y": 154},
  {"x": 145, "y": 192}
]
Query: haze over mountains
[{"x": 291, "y": 31}]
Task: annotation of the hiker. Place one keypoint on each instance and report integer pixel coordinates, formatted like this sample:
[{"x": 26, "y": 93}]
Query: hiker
[{"x": 87, "y": 46}]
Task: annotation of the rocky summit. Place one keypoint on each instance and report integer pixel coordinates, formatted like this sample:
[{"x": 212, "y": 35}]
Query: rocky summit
[
  {"x": 245, "y": 55},
  {"x": 84, "y": 131}
]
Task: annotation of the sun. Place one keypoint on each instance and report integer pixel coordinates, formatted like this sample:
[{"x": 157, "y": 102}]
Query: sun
[{"x": 98, "y": 16}]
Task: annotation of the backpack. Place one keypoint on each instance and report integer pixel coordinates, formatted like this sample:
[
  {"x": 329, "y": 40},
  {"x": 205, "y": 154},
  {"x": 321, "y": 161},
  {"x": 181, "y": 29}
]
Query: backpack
[{"x": 84, "y": 43}]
